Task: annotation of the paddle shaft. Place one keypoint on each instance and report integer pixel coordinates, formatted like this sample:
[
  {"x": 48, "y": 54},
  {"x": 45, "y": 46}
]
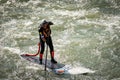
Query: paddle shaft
[{"x": 46, "y": 57}]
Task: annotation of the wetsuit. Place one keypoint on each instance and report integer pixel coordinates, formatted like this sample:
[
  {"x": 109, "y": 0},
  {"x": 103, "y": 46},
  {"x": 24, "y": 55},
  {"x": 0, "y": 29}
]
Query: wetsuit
[{"x": 45, "y": 37}]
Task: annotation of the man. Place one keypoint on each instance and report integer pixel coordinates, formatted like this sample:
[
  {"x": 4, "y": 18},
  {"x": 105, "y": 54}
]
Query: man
[{"x": 45, "y": 32}]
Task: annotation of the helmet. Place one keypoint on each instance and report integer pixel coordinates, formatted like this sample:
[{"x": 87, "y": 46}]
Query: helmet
[{"x": 47, "y": 22}]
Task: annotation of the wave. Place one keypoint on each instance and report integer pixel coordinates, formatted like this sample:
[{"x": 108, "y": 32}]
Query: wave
[{"x": 105, "y": 6}]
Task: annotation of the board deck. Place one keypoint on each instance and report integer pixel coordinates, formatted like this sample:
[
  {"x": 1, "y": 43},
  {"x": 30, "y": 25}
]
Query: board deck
[
  {"x": 48, "y": 65},
  {"x": 58, "y": 68}
]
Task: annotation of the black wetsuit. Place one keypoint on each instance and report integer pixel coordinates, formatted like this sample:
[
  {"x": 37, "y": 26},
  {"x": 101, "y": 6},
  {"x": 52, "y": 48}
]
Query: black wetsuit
[
  {"x": 44, "y": 33},
  {"x": 48, "y": 40}
]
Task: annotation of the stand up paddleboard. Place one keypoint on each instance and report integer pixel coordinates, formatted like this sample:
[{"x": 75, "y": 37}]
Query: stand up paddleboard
[{"x": 58, "y": 68}]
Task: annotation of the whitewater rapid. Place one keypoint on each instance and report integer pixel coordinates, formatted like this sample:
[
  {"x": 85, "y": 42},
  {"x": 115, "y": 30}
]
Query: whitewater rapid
[{"x": 85, "y": 33}]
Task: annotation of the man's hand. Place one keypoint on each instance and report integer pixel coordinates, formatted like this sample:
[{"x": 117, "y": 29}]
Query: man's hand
[{"x": 44, "y": 39}]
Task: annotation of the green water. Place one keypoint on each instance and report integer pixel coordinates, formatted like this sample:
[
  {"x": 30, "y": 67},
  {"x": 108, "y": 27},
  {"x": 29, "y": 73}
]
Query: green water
[{"x": 85, "y": 32}]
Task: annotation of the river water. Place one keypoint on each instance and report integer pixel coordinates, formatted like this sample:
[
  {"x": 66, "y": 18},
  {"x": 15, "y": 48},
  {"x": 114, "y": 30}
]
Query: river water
[{"x": 85, "y": 33}]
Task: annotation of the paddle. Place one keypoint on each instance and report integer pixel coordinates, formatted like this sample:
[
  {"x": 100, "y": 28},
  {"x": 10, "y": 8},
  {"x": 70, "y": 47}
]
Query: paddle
[{"x": 46, "y": 57}]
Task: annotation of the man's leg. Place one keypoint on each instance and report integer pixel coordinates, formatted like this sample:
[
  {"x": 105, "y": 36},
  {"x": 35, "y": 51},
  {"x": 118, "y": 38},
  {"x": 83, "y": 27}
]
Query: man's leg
[
  {"x": 42, "y": 51},
  {"x": 50, "y": 44}
]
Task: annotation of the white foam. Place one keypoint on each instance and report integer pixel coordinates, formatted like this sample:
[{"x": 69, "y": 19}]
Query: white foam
[
  {"x": 32, "y": 67},
  {"x": 11, "y": 22},
  {"x": 27, "y": 23},
  {"x": 13, "y": 50},
  {"x": 22, "y": 34},
  {"x": 80, "y": 70},
  {"x": 68, "y": 13}
]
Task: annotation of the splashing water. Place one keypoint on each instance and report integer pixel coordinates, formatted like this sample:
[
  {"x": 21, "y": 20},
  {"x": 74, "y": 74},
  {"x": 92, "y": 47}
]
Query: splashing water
[{"x": 85, "y": 33}]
